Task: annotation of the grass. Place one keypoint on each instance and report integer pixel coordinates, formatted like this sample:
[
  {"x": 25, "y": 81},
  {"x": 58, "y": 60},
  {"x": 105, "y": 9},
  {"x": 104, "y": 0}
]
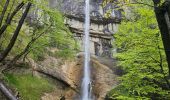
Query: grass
[{"x": 30, "y": 88}]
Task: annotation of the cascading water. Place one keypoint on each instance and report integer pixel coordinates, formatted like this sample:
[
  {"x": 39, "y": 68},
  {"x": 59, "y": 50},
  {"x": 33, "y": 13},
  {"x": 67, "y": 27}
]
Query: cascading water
[{"x": 86, "y": 84}]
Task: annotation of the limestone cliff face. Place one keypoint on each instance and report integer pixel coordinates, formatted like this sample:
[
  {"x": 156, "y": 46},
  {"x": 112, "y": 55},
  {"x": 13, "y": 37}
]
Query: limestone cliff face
[
  {"x": 70, "y": 74},
  {"x": 101, "y": 28},
  {"x": 76, "y": 8}
]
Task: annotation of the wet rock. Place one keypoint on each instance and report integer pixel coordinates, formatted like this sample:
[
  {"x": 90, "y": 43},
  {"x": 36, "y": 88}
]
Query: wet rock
[{"x": 70, "y": 73}]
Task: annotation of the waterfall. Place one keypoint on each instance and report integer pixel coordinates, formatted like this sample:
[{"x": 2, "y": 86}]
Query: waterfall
[{"x": 86, "y": 84}]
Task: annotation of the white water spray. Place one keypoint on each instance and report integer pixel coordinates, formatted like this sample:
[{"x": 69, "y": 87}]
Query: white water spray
[{"x": 86, "y": 84}]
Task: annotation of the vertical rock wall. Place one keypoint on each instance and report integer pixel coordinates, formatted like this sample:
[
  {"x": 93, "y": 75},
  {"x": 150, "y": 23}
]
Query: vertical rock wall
[{"x": 101, "y": 28}]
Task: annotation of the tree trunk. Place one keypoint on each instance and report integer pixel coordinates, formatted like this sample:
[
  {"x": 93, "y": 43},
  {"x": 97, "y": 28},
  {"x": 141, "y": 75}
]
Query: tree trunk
[
  {"x": 15, "y": 35},
  {"x": 164, "y": 29},
  {"x": 168, "y": 9},
  {"x": 28, "y": 46},
  {"x": 3, "y": 11},
  {"x": 6, "y": 92},
  {"x": 10, "y": 17}
]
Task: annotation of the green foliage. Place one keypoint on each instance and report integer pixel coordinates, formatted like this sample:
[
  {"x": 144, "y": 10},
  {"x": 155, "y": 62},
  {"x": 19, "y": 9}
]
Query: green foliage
[
  {"x": 24, "y": 35},
  {"x": 66, "y": 54},
  {"x": 57, "y": 35},
  {"x": 50, "y": 22},
  {"x": 142, "y": 57},
  {"x": 29, "y": 87}
]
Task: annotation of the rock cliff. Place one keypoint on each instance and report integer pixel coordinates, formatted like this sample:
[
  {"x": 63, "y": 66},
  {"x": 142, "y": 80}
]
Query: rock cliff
[{"x": 69, "y": 74}]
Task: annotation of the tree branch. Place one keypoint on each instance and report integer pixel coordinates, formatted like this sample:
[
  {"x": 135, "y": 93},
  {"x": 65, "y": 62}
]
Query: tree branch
[
  {"x": 3, "y": 12},
  {"x": 15, "y": 35},
  {"x": 10, "y": 17}
]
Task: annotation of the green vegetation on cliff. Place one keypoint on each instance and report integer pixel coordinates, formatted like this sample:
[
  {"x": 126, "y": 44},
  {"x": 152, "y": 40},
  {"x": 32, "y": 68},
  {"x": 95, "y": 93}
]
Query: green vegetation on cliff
[{"x": 31, "y": 30}]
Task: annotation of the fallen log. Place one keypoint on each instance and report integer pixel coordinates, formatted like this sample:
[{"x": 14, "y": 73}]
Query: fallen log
[{"x": 6, "y": 92}]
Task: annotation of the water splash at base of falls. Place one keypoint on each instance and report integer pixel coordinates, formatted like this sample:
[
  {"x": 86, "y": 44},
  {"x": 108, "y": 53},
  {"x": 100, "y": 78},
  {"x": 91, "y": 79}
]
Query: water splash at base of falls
[{"x": 86, "y": 83}]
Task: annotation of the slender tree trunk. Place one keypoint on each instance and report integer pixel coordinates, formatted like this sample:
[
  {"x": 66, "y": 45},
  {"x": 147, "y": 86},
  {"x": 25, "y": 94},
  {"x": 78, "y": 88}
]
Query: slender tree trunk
[
  {"x": 15, "y": 35},
  {"x": 27, "y": 48},
  {"x": 10, "y": 17},
  {"x": 6, "y": 92},
  {"x": 25, "y": 55},
  {"x": 161, "y": 67},
  {"x": 168, "y": 9},
  {"x": 20, "y": 55},
  {"x": 3, "y": 11},
  {"x": 167, "y": 4},
  {"x": 164, "y": 29}
]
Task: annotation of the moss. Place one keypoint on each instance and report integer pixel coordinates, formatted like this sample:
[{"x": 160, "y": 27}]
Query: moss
[{"x": 29, "y": 87}]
